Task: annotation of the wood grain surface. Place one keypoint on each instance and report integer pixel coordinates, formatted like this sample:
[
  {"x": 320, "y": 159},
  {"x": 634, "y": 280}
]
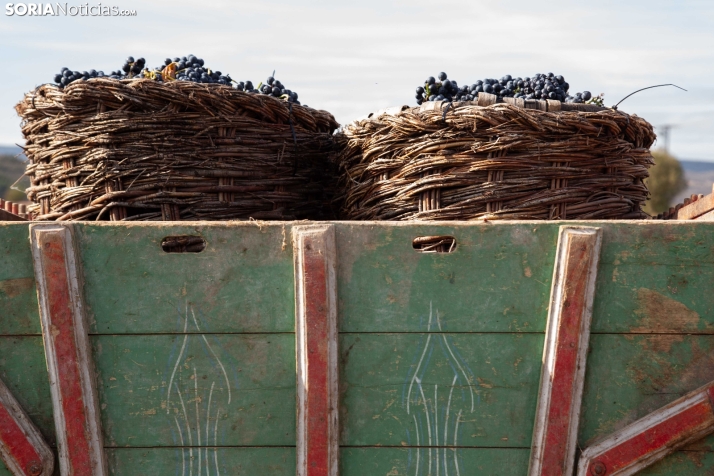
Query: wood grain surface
[{"x": 474, "y": 318}]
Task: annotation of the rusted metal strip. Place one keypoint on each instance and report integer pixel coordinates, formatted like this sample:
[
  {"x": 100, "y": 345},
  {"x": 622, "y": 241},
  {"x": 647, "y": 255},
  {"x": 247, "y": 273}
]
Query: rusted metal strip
[
  {"x": 316, "y": 351},
  {"x": 22, "y": 447},
  {"x": 653, "y": 437},
  {"x": 67, "y": 350},
  {"x": 565, "y": 352}
]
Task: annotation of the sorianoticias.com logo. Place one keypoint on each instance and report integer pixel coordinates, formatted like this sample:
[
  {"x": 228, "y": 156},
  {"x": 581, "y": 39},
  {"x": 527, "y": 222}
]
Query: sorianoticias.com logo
[{"x": 64, "y": 9}]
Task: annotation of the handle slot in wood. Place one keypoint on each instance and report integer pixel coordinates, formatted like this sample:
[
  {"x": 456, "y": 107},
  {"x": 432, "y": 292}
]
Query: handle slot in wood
[
  {"x": 183, "y": 244},
  {"x": 434, "y": 244}
]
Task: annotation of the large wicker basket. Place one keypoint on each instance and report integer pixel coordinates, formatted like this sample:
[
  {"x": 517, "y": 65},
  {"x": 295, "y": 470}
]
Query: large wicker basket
[
  {"x": 140, "y": 150},
  {"x": 488, "y": 160}
]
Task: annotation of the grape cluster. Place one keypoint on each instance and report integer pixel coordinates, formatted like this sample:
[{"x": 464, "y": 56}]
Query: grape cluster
[
  {"x": 133, "y": 68},
  {"x": 67, "y": 76},
  {"x": 186, "y": 68},
  {"x": 540, "y": 86},
  {"x": 271, "y": 87},
  {"x": 191, "y": 68}
]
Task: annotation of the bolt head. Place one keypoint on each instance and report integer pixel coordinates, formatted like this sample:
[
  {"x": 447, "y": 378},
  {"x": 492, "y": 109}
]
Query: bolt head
[
  {"x": 598, "y": 469},
  {"x": 34, "y": 468}
]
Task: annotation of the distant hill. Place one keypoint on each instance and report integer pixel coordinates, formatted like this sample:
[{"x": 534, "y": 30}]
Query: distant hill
[
  {"x": 12, "y": 169},
  {"x": 11, "y": 150},
  {"x": 699, "y": 176},
  {"x": 697, "y": 166}
]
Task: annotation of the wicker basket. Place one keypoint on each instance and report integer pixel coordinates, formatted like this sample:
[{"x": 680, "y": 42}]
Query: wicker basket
[
  {"x": 487, "y": 160},
  {"x": 141, "y": 150}
]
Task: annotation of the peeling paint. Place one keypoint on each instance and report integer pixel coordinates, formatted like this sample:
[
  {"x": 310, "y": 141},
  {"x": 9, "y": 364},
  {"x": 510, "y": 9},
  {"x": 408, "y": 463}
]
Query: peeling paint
[
  {"x": 658, "y": 313},
  {"x": 14, "y": 287}
]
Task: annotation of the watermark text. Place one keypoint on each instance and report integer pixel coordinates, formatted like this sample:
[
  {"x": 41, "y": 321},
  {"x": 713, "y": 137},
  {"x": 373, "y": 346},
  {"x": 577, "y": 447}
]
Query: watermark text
[{"x": 65, "y": 9}]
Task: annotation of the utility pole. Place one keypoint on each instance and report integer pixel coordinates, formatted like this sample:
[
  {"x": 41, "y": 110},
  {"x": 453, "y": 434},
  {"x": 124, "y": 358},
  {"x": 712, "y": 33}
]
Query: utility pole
[{"x": 665, "y": 128}]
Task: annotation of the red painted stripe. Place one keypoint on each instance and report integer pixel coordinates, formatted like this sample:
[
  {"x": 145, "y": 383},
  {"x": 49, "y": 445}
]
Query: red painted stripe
[
  {"x": 318, "y": 395},
  {"x": 17, "y": 445},
  {"x": 666, "y": 433},
  {"x": 575, "y": 282},
  {"x": 65, "y": 349}
]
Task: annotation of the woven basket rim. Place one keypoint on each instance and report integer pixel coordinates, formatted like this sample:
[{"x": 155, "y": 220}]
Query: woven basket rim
[
  {"x": 136, "y": 84},
  {"x": 536, "y": 105}
]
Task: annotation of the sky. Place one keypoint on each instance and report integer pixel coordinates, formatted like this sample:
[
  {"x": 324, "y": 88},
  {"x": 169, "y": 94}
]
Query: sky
[{"x": 353, "y": 58}]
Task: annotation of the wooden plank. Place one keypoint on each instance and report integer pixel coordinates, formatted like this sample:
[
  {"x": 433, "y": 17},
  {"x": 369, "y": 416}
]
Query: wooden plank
[
  {"x": 243, "y": 279},
  {"x": 708, "y": 216},
  {"x": 628, "y": 377},
  {"x": 653, "y": 437},
  {"x": 7, "y": 216},
  {"x": 644, "y": 267},
  {"x": 648, "y": 272},
  {"x": 316, "y": 351},
  {"x": 357, "y": 461},
  {"x": 690, "y": 462},
  {"x": 22, "y": 448},
  {"x": 652, "y": 277},
  {"x": 565, "y": 352},
  {"x": 134, "y": 374},
  {"x": 69, "y": 364},
  {"x": 220, "y": 461},
  {"x": 403, "y": 461},
  {"x": 226, "y": 390},
  {"x": 435, "y": 389},
  {"x": 361, "y": 461},
  {"x": 696, "y": 209},
  {"x": 18, "y": 297},
  {"x": 24, "y": 371},
  {"x": 631, "y": 376},
  {"x": 496, "y": 280}
]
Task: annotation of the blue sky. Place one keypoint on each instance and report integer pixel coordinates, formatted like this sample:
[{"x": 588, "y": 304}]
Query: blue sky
[{"x": 352, "y": 58}]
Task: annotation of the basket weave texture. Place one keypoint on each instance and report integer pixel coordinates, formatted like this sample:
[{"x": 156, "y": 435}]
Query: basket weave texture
[
  {"x": 502, "y": 161},
  {"x": 140, "y": 150}
]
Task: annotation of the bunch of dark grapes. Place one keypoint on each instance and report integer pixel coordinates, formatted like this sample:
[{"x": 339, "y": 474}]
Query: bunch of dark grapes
[
  {"x": 585, "y": 97},
  {"x": 132, "y": 68},
  {"x": 187, "y": 68},
  {"x": 191, "y": 68},
  {"x": 67, "y": 76},
  {"x": 271, "y": 87},
  {"x": 442, "y": 90},
  {"x": 540, "y": 86}
]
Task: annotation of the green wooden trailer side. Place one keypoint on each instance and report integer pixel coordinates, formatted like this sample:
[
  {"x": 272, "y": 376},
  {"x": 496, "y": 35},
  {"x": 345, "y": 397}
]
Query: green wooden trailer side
[{"x": 195, "y": 352}]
